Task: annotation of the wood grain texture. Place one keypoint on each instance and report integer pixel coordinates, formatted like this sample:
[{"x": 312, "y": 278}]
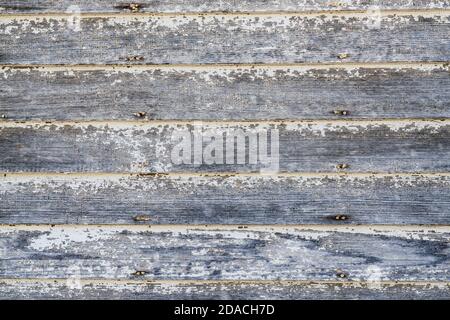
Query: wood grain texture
[
  {"x": 253, "y": 199},
  {"x": 226, "y": 253},
  {"x": 233, "y": 93},
  {"x": 220, "y": 290},
  {"x": 175, "y": 6},
  {"x": 229, "y": 38},
  {"x": 345, "y": 146},
  {"x": 358, "y": 207}
]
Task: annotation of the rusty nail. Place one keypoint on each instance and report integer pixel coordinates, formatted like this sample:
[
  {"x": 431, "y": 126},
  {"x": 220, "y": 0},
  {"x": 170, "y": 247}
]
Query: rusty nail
[
  {"x": 341, "y": 112},
  {"x": 341, "y": 274},
  {"x": 134, "y": 7},
  {"x": 340, "y": 217},
  {"x": 134, "y": 58},
  {"x": 342, "y": 166},
  {"x": 140, "y": 114},
  {"x": 141, "y": 218},
  {"x": 343, "y": 56}
]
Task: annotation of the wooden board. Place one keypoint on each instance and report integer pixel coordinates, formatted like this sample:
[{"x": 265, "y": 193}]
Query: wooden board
[
  {"x": 22, "y": 6},
  {"x": 226, "y": 253},
  {"x": 226, "y": 38},
  {"x": 321, "y": 146},
  {"x": 226, "y": 92},
  {"x": 219, "y": 290},
  {"x": 97, "y": 202},
  {"x": 242, "y": 199}
]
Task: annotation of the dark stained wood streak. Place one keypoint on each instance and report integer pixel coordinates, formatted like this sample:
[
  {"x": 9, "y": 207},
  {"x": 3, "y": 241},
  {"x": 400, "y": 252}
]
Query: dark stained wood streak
[
  {"x": 252, "y": 199},
  {"x": 221, "y": 290},
  {"x": 321, "y": 146},
  {"x": 176, "y": 6},
  {"x": 233, "y": 93},
  {"x": 209, "y": 39},
  {"x": 226, "y": 253}
]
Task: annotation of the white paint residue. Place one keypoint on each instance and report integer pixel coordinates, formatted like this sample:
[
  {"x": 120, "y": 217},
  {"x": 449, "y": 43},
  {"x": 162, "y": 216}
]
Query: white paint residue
[
  {"x": 323, "y": 128},
  {"x": 58, "y": 238}
]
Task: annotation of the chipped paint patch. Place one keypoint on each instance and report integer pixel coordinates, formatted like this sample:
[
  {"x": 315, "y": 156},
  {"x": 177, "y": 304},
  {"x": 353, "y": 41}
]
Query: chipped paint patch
[{"x": 58, "y": 238}]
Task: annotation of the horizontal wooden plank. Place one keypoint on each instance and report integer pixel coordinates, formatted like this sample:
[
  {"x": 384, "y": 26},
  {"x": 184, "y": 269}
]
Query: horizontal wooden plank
[
  {"x": 38, "y": 6},
  {"x": 226, "y": 38},
  {"x": 223, "y": 290},
  {"x": 242, "y": 199},
  {"x": 233, "y": 93},
  {"x": 320, "y": 146},
  {"x": 226, "y": 253}
]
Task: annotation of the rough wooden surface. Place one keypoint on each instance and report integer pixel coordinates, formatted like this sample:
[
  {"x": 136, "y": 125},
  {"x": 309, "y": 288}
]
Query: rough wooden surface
[
  {"x": 234, "y": 93},
  {"x": 359, "y": 94},
  {"x": 226, "y": 253},
  {"x": 326, "y": 146},
  {"x": 251, "y": 199},
  {"x": 229, "y": 38},
  {"x": 220, "y": 290},
  {"x": 175, "y": 6}
]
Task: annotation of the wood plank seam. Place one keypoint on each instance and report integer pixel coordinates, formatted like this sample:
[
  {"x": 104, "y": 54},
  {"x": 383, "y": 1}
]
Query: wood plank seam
[
  {"x": 225, "y": 282},
  {"x": 422, "y": 65},
  {"x": 4, "y": 123},
  {"x": 144, "y": 175},
  {"x": 400, "y": 230},
  {"x": 218, "y": 6},
  {"x": 131, "y": 16}
]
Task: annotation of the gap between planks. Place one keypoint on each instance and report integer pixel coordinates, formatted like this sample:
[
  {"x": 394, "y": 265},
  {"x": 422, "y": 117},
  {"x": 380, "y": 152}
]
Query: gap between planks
[
  {"x": 230, "y": 66},
  {"x": 5, "y": 123},
  {"x": 356, "y": 229},
  {"x": 311, "y": 13},
  {"x": 117, "y": 175},
  {"x": 226, "y": 282}
]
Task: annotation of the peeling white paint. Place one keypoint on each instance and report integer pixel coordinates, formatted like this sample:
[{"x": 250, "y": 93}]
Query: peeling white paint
[{"x": 59, "y": 238}]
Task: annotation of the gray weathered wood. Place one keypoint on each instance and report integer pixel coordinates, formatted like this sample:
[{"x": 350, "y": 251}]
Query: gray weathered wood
[
  {"x": 254, "y": 199},
  {"x": 192, "y": 39},
  {"x": 23, "y": 6},
  {"x": 226, "y": 253},
  {"x": 224, "y": 235},
  {"x": 223, "y": 290},
  {"x": 261, "y": 92},
  {"x": 352, "y": 146}
]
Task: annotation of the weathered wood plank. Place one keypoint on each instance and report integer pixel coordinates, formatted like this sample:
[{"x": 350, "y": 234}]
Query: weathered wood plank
[
  {"x": 226, "y": 253},
  {"x": 320, "y": 146},
  {"x": 173, "y": 6},
  {"x": 234, "y": 93},
  {"x": 223, "y": 290},
  {"x": 229, "y": 38},
  {"x": 241, "y": 199}
]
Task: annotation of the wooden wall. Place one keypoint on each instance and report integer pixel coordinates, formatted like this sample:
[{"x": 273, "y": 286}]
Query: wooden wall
[{"x": 91, "y": 205}]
